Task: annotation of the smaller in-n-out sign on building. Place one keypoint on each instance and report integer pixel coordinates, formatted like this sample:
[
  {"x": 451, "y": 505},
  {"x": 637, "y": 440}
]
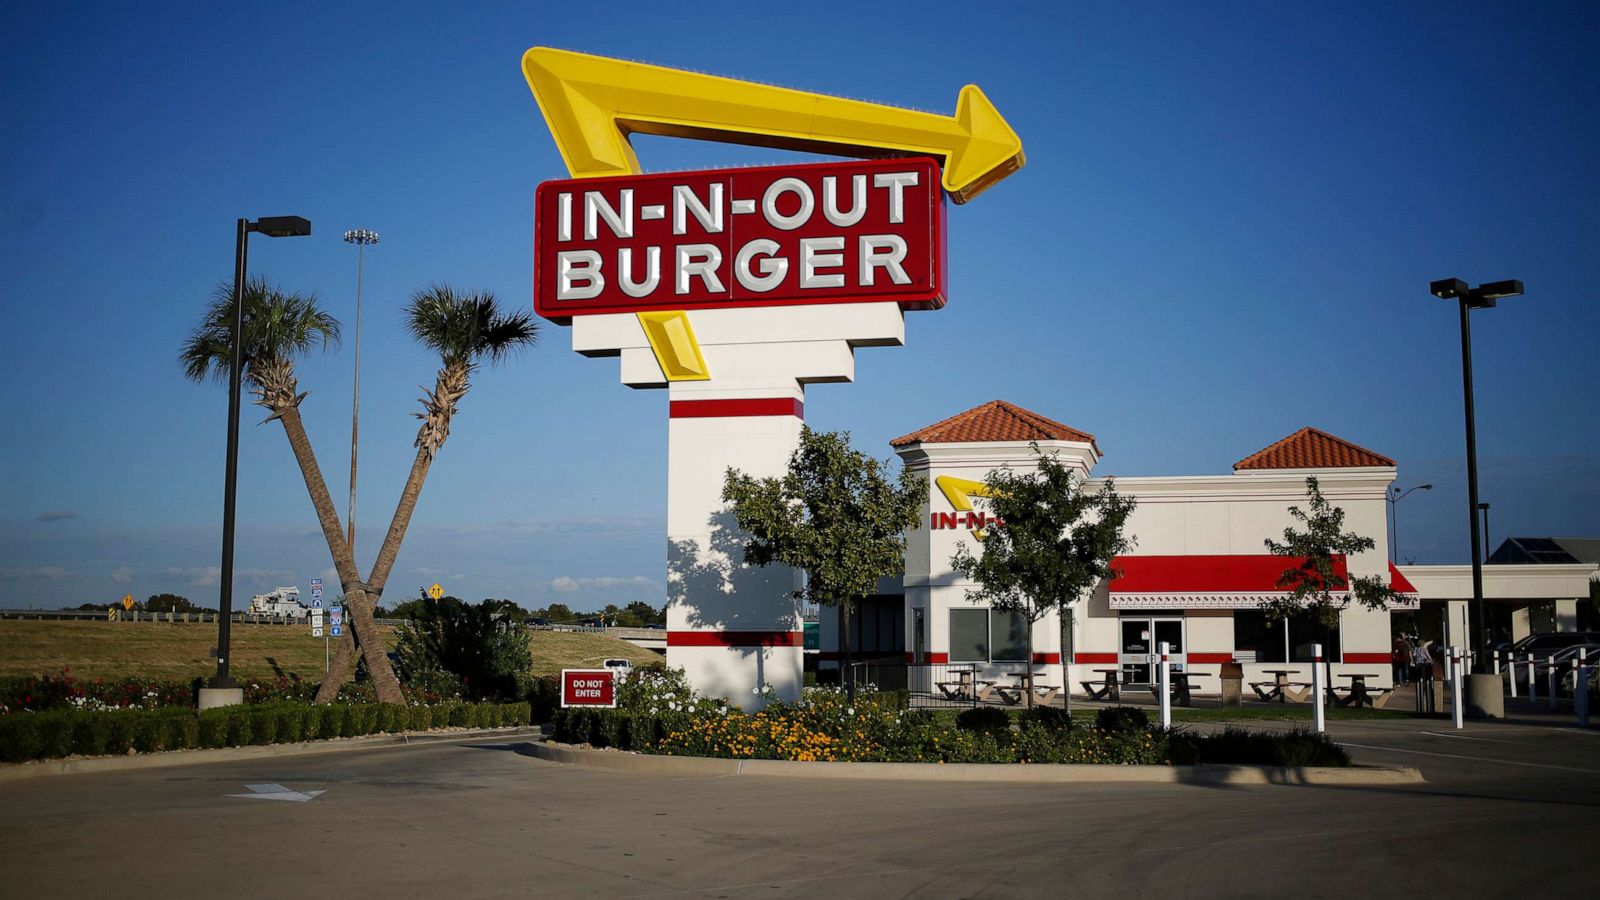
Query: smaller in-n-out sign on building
[{"x": 588, "y": 687}]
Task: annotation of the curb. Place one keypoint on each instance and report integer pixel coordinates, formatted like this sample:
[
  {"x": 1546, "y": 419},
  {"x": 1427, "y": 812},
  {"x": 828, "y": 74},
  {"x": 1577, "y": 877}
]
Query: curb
[
  {"x": 1013, "y": 773},
  {"x": 169, "y": 758}
]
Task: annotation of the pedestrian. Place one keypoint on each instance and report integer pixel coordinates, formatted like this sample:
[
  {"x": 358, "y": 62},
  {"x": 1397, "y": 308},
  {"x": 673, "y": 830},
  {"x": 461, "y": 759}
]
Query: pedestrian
[
  {"x": 1422, "y": 673},
  {"x": 1400, "y": 659}
]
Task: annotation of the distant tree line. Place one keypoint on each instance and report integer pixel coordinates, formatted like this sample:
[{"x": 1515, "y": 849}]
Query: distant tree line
[
  {"x": 637, "y": 614},
  {"x": 161, "y": 603}
]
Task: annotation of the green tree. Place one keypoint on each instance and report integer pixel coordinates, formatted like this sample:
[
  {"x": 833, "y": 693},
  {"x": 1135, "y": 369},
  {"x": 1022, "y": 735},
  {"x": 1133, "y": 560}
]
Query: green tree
[
  {"x": 836, "y": 516},
  {"x": 1053, "y": 543},
  {"x": 645, "y": 614},
  {"x": 278, "y": 328},
  {"x": 1313, "y": 580},
  {"x": 170, "y": 603},
  {"x": 477, "y": 649},
  {"x": 465, "y": 329}
]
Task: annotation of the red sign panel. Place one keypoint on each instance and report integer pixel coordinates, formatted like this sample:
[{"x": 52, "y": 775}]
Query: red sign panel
[
  {"x": 588, "y": 687},
  {"x": 772, "y": 236}
]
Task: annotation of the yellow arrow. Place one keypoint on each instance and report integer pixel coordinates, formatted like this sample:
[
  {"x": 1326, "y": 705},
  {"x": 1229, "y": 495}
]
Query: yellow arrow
[
  {"x": 960, "y": 491},
  {"x": 593, "y": 103}
]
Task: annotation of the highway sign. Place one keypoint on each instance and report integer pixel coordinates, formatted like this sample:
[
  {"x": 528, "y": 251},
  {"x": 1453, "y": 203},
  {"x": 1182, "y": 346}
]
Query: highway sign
[
  {"x": 316, "y": 603},
  {"x": 436, "y": 592},
  {"x": 127, "y": 601},
  {"x": 316, "y": 631},
  {"x": 335, "y": 616},
  {"x": 335, "y": 631}
]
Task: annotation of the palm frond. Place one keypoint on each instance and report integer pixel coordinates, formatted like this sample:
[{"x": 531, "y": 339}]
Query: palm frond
[
  {"x": 277, "y": 325},
  {"x": 466, "y": 326}
]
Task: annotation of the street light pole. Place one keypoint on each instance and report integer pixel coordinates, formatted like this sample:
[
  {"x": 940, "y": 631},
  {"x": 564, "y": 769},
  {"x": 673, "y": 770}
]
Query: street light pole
[
  {"x": 1395, "y": 496},
  {"x": 361, "y": 237},
  {"x": 272, "y": 226},
  {"x": 1484, "y": 296}
]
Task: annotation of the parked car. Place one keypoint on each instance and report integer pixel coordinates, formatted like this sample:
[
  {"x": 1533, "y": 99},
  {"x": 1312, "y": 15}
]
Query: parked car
[
  {"x": 538, "y": 622},
  {"x": 620, "y": 665},
  {"x": 1542, "y": 644}
]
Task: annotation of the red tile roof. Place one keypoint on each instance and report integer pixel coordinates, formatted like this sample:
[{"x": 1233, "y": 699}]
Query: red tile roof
[
  {"x": 996, "y": 421},
  {"x": 1309, "y": 448}
]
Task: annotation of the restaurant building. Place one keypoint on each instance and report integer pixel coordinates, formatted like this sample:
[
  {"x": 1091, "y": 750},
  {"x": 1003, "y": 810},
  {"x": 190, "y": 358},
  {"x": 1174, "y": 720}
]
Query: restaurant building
[{"x": 1195, "y": 578}]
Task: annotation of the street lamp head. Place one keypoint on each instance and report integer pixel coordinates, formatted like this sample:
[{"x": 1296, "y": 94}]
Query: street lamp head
[
  {"x": 1494, "y": 290},
  {"x": 282, "y": 226},
  {"x": 360, "y": 236},
  {"x": 1424, "y": 487},
  {"x": 1447, "y": 288}
]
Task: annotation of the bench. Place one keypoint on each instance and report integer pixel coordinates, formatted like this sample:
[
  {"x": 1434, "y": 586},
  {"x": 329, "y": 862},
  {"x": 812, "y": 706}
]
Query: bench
[
  {"x": 1297, "y": 691},
  {"x": 966, "y": 689},
  {"x": 1109, "y": 689},
  {"x": 1011, "y": 695}
]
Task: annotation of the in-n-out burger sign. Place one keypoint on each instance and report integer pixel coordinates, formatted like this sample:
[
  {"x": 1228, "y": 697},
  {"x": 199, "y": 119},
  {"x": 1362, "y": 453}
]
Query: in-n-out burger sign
[{"x": 771, "y": 236}]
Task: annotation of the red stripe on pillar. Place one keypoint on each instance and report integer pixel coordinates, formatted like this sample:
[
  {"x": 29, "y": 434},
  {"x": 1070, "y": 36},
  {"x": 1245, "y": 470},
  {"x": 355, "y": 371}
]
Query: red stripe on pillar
[
  {"x": 1368, "y": 658},
  {"x": 1095, "y": 658},
  {"x": 1046, "y": 658},
  {"x": 938, "y": 658},
  {"x": 1210, "y": 657},
  {"x": 762, "y": 406},
  {"x": 735, "y": 638}
]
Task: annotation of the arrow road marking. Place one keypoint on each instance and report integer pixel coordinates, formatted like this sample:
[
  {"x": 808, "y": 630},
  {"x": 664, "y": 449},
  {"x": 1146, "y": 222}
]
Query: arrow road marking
[
  {"x": 277, "y": 792},
  {"x": 593, "y": 103}
]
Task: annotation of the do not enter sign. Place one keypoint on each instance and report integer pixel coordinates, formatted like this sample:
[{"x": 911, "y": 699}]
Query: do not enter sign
[{"x": 588, "y": 687}]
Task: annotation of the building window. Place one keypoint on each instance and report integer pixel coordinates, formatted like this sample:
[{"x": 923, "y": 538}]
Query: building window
[
  {"x": 1008, "y": 635},
  {"x": 988, "y": 635},
  {"x": 1257, "y": 638},
  {"x": 969, "y": 635}
]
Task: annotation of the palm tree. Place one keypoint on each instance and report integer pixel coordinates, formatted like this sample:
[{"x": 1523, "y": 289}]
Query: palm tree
[
  {"x": 279, "y": 327},
  {"x": 466, "y": 329}
]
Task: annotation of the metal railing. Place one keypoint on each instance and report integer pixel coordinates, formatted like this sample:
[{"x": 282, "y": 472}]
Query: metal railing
[{"x": 946, "y": 685}]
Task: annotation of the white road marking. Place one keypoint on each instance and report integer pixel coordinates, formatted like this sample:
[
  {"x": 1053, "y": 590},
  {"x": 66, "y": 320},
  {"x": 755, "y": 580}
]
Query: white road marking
[
  {"x": 1503, "y": 762},
  {"x": 277, "y": 792}
]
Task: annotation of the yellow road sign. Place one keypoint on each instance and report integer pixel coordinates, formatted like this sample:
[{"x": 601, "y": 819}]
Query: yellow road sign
[
  {"x": 127, "y": 601},
  {"x": 436, "y": 592},
  {"x": 593, "y": 103}
]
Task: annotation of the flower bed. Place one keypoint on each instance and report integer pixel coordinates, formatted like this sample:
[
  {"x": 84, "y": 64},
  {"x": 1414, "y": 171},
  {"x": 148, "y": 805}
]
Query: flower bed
[
  {"x": 44, "y": 693},
  {"x": 92, "y": 732},
  {"x": 658, "y": 714}
]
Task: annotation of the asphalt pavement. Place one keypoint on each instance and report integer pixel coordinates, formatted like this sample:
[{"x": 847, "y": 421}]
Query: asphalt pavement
[{"x": 1509, "y": 809}]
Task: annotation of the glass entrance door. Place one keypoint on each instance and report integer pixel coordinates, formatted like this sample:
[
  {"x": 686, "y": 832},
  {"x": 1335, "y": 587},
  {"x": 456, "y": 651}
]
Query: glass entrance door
[{"x": 1141, "y": 637}]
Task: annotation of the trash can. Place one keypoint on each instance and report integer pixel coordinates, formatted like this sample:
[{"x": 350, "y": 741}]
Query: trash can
[{"x": 1232, "y": 683}]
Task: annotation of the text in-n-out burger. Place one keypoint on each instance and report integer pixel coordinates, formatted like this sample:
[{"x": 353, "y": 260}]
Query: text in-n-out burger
[
  {"x": 770, "y": 236},
  {"x": 588, "y": 687}
]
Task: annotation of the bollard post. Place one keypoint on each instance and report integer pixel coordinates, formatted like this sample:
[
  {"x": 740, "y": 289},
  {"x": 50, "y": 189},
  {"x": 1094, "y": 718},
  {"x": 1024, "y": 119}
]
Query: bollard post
[
  {"x": 1458, "y": 703},
  {"x": 1511, "y": 672},
  {"x": 1165, "y": 680},
  {"x": 1318, "y": 690},
  {"x": 1533, "y": 679},
  {"x": 1580, "y": 695},
  {"x": 1550, "y": 676},
  {"x": 1494, "y": 658}
]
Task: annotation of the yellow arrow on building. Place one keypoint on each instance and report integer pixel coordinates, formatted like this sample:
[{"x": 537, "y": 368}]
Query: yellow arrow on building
[{"x": 593, "y": 103}]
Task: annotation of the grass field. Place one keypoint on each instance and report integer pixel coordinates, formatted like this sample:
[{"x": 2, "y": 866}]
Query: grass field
[{"x": 182, "y": 651}]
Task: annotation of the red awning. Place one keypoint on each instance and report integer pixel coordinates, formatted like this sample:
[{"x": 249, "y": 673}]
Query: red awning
[
  {"x": 1399, "y": 583},
  {"x": 1203, "y": 582}
]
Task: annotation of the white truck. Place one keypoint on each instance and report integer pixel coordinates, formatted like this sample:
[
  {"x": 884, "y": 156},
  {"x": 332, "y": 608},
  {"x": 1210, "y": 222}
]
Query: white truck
[{"x": 282, "y": 601}]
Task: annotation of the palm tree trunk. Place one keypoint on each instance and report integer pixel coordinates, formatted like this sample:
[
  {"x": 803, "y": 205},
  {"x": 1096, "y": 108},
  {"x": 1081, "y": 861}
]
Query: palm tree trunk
[
  {"x": 449, "y": 387},
  {"x": 344, "y": 563},
  {"x": 339, "y": 668}
]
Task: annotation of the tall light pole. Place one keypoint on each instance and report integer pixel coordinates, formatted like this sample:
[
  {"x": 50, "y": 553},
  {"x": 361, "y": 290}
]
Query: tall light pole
[
  {"x": 1395, "y": 496},
  {"x": 1484, "y": 296},
  {"x": 361, "y": 237},
  {"x": 224, "y": 689},
  {"x": 1483, "y": 509}
]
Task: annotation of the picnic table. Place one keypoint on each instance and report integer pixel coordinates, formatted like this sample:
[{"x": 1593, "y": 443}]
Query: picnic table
[
  {"x": 967, "y": 686},
  {"x": 1180, "y": 686},
  {"x": 1358, "y": 694},
  {"x": 1278, "y": 688},
  {"x": 1012, "y": 694},
  {"x": 1110, "y": 687}
]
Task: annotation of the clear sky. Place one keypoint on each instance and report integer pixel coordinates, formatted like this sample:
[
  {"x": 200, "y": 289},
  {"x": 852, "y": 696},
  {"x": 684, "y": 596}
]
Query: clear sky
[{"x": 1225, "y": 231}]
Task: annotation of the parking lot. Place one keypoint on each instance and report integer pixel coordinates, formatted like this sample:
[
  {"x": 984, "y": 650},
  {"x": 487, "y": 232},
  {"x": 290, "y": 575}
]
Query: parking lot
[{"x": 1507, "y": 808}]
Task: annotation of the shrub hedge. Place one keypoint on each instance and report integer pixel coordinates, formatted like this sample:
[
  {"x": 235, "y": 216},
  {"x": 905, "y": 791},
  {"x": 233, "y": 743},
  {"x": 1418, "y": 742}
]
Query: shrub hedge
[{"x": 45, "y": 735}]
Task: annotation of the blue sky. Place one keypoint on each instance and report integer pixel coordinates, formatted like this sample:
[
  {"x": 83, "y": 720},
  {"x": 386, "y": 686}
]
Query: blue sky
[{"x": 1224, "y": 231}]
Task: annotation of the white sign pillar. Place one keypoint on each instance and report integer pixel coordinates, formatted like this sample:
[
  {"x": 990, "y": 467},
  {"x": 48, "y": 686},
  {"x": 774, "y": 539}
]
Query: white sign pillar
[
  {"x": 1458, "y": 701},
  {"x": 734, "y": 629},
  {"x": 1165, "y": 682},
  {"x": 1318, "y": 690}
]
